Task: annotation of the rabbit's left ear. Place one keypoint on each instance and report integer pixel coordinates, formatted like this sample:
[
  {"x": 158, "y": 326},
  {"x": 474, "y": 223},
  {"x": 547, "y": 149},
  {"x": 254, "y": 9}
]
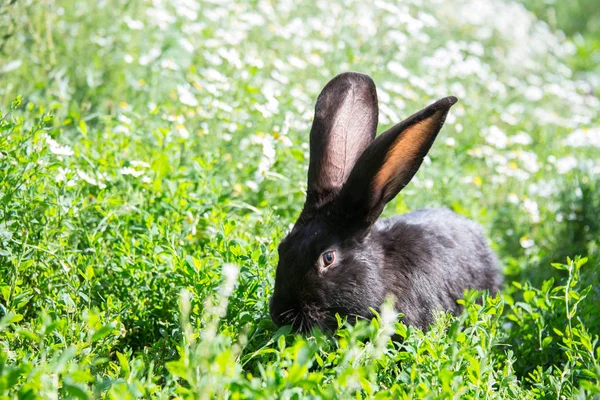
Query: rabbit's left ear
[
  {"x": 345, "y": 124},
  {"x": 391, "y": 161}
]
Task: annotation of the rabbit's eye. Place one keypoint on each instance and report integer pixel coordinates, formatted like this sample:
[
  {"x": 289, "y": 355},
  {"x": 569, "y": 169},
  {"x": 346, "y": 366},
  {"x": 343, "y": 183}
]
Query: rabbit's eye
[{"x": 328, "y": 258}]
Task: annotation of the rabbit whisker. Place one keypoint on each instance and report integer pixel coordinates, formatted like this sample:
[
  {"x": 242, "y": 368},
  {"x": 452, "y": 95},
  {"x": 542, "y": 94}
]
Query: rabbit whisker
[
  {"x": 285, "y": 314},
  {"x": 358, "y": 317}
]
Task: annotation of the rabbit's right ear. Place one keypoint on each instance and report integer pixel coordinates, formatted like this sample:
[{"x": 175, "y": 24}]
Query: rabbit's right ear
[
  {"x": 344, "y": 125},
  {"x": 390, "y": 162}
]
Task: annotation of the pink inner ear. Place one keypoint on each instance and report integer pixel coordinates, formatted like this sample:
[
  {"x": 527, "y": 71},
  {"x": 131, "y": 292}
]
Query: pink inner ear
[
  {"x": 345, "y": 125},
  {"x": 351, "y": 133},
  {"x": 402, "y": 155}
]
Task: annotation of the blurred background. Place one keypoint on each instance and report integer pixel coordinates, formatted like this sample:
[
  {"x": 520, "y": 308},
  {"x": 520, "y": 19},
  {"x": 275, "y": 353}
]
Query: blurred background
[{"x": 580, "y": 22}]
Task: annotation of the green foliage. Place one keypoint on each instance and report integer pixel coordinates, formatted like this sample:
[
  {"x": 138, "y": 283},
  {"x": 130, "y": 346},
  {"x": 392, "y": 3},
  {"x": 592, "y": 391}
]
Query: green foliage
[
  {"x": 577, "y": 16},
  {"x": 580, "y": 20},
  {"x": 153, "y": 154}
]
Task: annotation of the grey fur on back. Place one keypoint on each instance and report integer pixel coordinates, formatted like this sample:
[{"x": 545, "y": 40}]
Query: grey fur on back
[{"x": 434, "y": 255}]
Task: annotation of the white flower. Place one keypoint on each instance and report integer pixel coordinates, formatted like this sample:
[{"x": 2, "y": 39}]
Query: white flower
[
  {"x": 58, "y": 149},
  {"x": 151, "y": 56},
  {"x": 481, "y": 152},
  {"x": 528, "y": 160},
  {"x": 264, "y": 166},
  {"x": 124, "y": 119},
  {"x": 186, "y": 45},
  {"x": 186, "y": 96},
  {"x": 136, "y": 163},
  {"x": 121, "y": 129},
  {"x": 566, "y": 164},
  {"x": 62, "y": 177},
  {"x": 496, "y": 137},
  {"x": 543, "y": 116},
  {"x": 133, "y": 24},
  {"x": 160, "y": 17},
  {"x": 509, "y": 119},
  {"x": 187, "y": 8},
  {"x": 520, "y": 138},
  {"x": 214, "y": 76},
  {"x": 169, "y": 64},
  {"x": 252, "y": 185},
  {"x": 183, "y": 132},
  {"x": 268, "y": 149},
  {"x": 62, "y": 174},
  {"x": 526, "y": 243},
  {"x": 10, "y": 66},
  {"x": 534, "y": 93},
  {"x": 296, "y": 62},
  {"x": 397, "y": 69},
  {"x": 89, "y": 179},
  {"x": 543, "y": 188},
  {"x": 583, "y": 138},
  {"x": 130, "y": 171},
  {"x": 532, "y": 209},
  {"x": 230, "y": 274},
  {"x": 512, "y": 171},
  {"x": 388, "y": 318}
]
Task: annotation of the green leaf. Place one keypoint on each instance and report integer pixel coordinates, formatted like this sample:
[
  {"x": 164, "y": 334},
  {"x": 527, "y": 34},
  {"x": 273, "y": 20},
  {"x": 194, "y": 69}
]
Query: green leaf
[
  {"x": 16, "y": 102},
  {"x": 89, "y": 273},
  {"x": 83, "y": 128},
  {"x": 559, "y": 266},
  {"x": 528, "y": 296},
  {"x": 75, "y": 391},
  {"x": 81, "y": 376},
  {"x": 175, "y": 368},
  {"x": 547, "y": 340},
  {"x": 102, "y": 333},
  {"x": 281, "y": 343},
  {"x": 125, "y": 364},
  {"x": 517, "y": 285},
  {"x": 161, "y": 166},
  {"x": 559, "y": 333}
]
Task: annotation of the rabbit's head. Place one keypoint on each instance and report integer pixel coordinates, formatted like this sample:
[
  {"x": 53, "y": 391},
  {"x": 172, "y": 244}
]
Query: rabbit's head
[{"x": 329, "y": 263}]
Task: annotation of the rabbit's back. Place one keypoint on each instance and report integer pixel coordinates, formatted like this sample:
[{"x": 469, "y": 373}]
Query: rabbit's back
[{"x": 430, "y": 257}]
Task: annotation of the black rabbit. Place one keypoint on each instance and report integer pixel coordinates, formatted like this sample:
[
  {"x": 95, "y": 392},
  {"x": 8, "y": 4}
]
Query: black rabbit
[{"x": 339, "y": 258}]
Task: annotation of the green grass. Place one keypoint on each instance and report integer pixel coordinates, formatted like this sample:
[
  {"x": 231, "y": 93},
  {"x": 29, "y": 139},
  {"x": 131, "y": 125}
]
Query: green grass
[
  {"x": 572, "y": 17},
  {"x": 152, "y": 155}
]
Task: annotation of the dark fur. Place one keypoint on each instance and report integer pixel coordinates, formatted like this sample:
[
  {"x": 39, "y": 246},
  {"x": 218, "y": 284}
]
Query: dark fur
[{"x": 426, "y": 259}]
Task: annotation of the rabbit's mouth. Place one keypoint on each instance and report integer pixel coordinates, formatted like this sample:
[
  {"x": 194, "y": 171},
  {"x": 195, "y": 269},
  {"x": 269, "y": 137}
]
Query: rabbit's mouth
[
  {"x": 310, "y": 316},
  {"x": 307, "y": 317}
]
